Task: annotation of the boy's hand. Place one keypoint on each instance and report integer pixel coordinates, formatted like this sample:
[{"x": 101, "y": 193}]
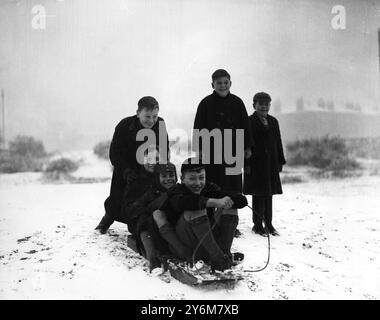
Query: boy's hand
[
  {"x": 129, "y": 176},
  {"x": 223, "y": 203},
  {"x": 226, "y": 203},
  {"x": 247, "y": 153}
]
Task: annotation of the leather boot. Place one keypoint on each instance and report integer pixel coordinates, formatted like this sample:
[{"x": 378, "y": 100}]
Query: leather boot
[
  {"x": 202, "y": 230},
  {"x": 104, "y": 224},
  {"x": 150, "y": 251},
  {"x": 169, "y": 234},
  {"x": 227, "y": 226}
]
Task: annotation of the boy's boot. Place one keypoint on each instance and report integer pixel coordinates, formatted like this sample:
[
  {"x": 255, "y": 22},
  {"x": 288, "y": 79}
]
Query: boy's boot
[
  {"x": 268, "y": 214},
  {"x": 220, "y": 263},
  {"x": 104, "y": 224},
  {"x": 150, "y": 251},
  {"x": 203, "y": 232},
  {"x": 227, "y": 226},
  {"x": 257, "y": 220},
  {"x": 169, "y": 234}
]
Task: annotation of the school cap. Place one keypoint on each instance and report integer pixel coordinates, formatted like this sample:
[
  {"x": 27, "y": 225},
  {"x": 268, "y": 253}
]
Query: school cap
[
  {"x": 261, "y": 96},
  {"x": 220, "y": 73},
  {"x": 163, "y": 168},
  {"x": 192, "y": 164},
  {"x": 147, "y": 102}
]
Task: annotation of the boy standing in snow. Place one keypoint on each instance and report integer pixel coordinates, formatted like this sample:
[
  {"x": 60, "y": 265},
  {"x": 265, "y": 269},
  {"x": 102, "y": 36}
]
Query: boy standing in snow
[
  {"x": 261, "y": 174},
  {"x": 190, "y": 207},
  {"x": 123, "y": 151},
  {"x": 223, "y": 110}
]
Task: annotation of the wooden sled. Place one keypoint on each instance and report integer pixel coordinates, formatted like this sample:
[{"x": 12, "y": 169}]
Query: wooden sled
[{"x": 182, "y": 272}]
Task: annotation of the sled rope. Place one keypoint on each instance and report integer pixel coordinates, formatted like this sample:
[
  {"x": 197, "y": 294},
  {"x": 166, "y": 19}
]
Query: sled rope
[
  {"x": 201, "y": 240},
  {"x": 268, "y": 236}
]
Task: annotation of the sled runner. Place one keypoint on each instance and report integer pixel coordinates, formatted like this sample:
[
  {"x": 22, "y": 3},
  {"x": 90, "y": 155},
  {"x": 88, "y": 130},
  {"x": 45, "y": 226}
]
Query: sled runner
[
  {"x": 198, "y": 275},
  {"x": 182, "y": 272}
]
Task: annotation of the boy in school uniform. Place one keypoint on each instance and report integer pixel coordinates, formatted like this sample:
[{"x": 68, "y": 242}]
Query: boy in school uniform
[
  {"x": 192, "y": 206},
  {"x": 149, "y": 241},
  {"x": 261, "y": 174},
  {"x": 223, "y": 110},
  {"x": 122, "y": 154}
]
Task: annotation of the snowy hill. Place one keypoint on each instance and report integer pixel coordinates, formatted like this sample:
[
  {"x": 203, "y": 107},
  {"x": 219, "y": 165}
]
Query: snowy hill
[{"x": 329, "y": 246}]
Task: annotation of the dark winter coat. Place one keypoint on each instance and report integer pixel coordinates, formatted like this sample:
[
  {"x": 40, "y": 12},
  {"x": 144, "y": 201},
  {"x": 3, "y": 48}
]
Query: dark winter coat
[
  {"x": 135, "y": 190},
  {"x": 223, "y": 113},
  {"x": 140, "y": 217},
  {"x": 181, "y": 199},
  {"x": 262, "y": 176},
  {"x": 123, "y": 155}
]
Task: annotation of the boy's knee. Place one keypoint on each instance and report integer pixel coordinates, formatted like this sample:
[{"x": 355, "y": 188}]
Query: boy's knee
[
  {"x": 159, "y": 218},
  {"x": 194, "y": 214}
]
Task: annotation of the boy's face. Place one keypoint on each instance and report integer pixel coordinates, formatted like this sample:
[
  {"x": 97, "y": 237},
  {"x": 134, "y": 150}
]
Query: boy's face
[
  {"x": 262, "y": 107},
  {"x": 167, "y": 179},
  {"x": 148, "y": 118},
  {"x": 194, "y": 180},
  {"x": 222, "y": 86},
  {"x": 150, "y": 160}
]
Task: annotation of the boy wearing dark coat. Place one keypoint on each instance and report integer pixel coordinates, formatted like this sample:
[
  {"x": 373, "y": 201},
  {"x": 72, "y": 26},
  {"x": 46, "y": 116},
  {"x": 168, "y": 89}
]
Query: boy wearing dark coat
[
  {"x": 223, "y": 110},
  {"x": 261, "y": 174},
  {"x": 137, "y": 188},
  {"x": 191, "y": 206},
  {"x": 149, "y": 241},
  {"x": 122, "y": 154}
]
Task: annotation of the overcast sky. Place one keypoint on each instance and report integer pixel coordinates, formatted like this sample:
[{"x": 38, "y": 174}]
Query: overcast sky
[{"x": 96, "y": 58}]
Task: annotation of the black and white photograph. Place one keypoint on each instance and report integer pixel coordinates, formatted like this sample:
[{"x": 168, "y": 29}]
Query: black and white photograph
[{"x": 218, "y": 150}]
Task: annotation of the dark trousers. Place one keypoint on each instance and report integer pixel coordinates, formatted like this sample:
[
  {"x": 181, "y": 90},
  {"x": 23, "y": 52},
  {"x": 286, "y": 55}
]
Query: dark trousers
[
  {"x": 186, "y": 233},
  {"x": 262, "y": 211}
]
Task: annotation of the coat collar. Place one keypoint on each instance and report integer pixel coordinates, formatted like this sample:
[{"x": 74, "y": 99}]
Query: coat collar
[
  {"x": 135, "y": 124},
  {"x": 219, "y": 97},
  {"x": 256, "y": 118}
]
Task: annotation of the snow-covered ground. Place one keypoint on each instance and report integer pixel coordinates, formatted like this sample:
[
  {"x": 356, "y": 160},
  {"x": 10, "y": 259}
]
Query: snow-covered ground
[{"x": 329, "y": 246}]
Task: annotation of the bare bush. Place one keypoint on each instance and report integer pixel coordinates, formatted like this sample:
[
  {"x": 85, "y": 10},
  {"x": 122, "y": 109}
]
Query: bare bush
[
  {"x": 326, "y": 153},
  {"x": 25, "y": 154},
  {"x": 11, "y": 163},
  {"x": 102, "y": 148},
  {"x": 27, "y": 146},
  {"x": 62, "y": 165}
]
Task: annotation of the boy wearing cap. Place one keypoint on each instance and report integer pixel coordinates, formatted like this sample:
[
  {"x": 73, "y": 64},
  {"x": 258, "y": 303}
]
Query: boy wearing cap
[
  {"x": 261, "y": 174},
  {"x": 149, "y": 239},
  {"x": 122, "y": 154},
  {"x": 223, "y": 110},
  {"x": 192, "y": 204}
]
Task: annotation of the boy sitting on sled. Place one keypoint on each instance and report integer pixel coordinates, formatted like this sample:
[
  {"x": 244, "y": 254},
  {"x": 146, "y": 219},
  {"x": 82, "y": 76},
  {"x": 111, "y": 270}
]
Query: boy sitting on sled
[
  {"x": 138, "y": 187},
  {"x": 192, "y": 206},
  {"x": 149, "y": 240}
]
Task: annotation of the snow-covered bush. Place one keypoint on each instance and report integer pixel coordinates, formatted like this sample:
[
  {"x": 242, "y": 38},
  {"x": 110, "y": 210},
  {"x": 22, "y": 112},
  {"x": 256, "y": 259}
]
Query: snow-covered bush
[
  {"x": 368, "y": 148},
  {"x": 62, "y": 165},
  {"x": 326, "y": 153},
  {"x": 24, "y": 154},
  {"x": 11, "y": 163},
  {"x": 60, "y": 169},
  {"x": 102, "y": 148},
  {"x": 27, "y": 146}
]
